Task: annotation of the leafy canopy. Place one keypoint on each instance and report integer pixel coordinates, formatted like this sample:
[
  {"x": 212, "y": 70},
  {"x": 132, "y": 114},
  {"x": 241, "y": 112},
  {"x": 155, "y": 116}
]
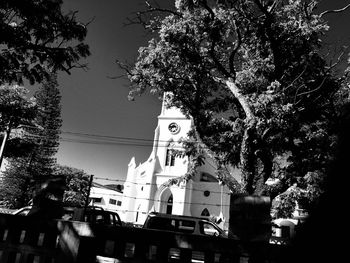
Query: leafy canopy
[
  {"x": 252, "y": 76},
  {"x": 15, "y": 107},
  {"x": 38, "y": 38}
]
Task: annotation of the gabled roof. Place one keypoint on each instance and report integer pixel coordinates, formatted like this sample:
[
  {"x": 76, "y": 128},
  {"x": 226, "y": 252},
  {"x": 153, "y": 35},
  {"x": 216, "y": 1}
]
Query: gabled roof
[{"x": 113, "y": 187}]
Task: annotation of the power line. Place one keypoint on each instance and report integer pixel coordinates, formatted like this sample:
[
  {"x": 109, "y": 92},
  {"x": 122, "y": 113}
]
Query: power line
[
  {"x": 106, "y": 136},
  {"x": 153, "y": 184},
  {"x": 155, "y": 200},
  {"x": 112, "y": 138}
]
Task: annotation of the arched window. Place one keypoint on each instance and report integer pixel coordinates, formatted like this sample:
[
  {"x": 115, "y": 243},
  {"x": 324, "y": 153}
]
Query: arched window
[
  {"x": 169, "y": 207},
  {"x": 172, "y": 153},
  {"x": 170, "y": 158},
  {"x": 205, "y": 212},
  {"x": 206, "y": 177}
]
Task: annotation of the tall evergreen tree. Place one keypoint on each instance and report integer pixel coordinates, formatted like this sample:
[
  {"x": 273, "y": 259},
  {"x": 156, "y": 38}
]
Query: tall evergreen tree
[
  {"x": 25, "y": 174},
  {"x": 49, "y": 120}
]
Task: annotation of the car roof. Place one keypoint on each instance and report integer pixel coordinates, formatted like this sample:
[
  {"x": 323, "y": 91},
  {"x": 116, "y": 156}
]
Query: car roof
[{"x": 177, "y": 216}]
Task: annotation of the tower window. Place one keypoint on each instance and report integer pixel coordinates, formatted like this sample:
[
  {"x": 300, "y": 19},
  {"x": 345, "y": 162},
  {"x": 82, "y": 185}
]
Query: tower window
[{"x": 170, "y": 158}]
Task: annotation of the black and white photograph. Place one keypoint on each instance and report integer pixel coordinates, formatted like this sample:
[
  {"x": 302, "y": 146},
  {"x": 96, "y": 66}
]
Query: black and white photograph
[{"x": 205, "y": 131}]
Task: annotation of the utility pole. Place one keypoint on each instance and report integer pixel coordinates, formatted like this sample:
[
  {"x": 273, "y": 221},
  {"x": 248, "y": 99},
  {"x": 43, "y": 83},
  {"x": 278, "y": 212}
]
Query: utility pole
[
  {"x": 3, "y": 144},
  {"x": 88, "y": 193}
]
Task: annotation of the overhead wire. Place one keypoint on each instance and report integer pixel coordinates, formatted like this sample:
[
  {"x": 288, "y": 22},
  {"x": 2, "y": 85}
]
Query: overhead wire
[
  {"x": 155, "y": 200},
  {"x": 97, "y": 139},
  {"x": 152, "y": 184}
]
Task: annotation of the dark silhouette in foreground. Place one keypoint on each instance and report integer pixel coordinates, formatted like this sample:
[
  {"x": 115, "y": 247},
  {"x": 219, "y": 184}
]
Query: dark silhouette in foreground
[
  {"x": 322, "y": 238},
  {"x": 48, "y": 201}
]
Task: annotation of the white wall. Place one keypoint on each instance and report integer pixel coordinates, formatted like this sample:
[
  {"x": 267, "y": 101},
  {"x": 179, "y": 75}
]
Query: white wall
[
  {"x": 145, "y": 187},
  {"x": 106, "y": 196}
]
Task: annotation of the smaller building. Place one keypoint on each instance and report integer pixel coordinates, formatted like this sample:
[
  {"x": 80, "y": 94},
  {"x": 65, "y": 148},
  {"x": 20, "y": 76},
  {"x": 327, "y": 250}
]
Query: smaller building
[{"x": 108, "y": 197}]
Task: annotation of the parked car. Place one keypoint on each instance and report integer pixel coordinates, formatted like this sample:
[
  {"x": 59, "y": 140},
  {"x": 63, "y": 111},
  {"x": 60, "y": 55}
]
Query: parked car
[
  {"x": 93, "y": 214},
  {"x": 183, "y": 224},
  {"x": 96, "y": 215}
]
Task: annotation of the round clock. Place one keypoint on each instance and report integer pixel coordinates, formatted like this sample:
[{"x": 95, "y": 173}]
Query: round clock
[{"x": 174, "y": 128}]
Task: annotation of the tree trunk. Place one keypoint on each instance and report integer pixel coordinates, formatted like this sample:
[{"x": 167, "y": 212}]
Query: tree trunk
[{"x": 247, "y": 156}]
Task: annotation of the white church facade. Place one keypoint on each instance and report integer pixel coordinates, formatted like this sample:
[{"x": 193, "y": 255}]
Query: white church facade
[{"x": 147, "y": 186}]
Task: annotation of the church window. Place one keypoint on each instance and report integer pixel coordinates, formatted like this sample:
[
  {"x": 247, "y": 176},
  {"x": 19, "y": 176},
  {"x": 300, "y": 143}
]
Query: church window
[
  {"x": 205, "y": 212},
  {"x": 169, "y": 207},
  {"x": 95, "y": 200},
  {"x": 206, "y": 177},
  {"x": 170, "y": 158},
  {"x": 112, "y": 201},
  {"x": 137, "y": 213},
  {"x": 206, "y": 193}
]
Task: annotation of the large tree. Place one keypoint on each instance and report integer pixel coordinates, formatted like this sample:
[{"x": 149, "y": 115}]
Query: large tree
[
  {"x": 16, "y": 111},
  {"x": 16, "y": 184},
  {"x": 37, "y": 38},
  {"x": 252, "y": 76},
  {"x": 37, "y": 164},
  {"x": 77, "y": 184},
  {"x": 43, "y": 160}
]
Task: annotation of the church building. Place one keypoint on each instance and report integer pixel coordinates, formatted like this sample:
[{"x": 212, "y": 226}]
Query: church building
[{"x": 153, "y": 185}]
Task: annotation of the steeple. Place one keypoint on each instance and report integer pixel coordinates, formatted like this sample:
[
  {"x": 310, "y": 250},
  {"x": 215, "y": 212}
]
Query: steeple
[{"x": 170, "y": 112}]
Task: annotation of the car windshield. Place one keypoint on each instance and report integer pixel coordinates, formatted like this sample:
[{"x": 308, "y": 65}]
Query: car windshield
[{"x": 209, "y": 229}]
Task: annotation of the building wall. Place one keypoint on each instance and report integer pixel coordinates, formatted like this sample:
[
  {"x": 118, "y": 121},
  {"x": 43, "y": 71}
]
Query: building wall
[{"x": 106, "y": 198}]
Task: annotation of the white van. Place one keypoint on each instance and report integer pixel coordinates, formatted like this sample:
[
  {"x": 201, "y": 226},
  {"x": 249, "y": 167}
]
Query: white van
[{"x": 183, "y": 224}]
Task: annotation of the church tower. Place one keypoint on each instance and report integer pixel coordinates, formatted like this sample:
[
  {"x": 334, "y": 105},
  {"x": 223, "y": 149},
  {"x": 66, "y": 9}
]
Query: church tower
[{"x": 154, "y": 185}]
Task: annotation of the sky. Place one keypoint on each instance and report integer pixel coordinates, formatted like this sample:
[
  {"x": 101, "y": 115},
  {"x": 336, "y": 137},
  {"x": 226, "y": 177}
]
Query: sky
[{"x": 96, "y": 105}]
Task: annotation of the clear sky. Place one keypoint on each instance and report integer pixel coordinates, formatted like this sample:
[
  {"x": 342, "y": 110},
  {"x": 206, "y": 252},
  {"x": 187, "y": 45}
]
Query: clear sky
[{"x": 95, "y": 105}]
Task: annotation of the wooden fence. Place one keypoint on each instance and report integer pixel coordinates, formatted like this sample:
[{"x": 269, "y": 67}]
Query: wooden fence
[{"x": 25, "y": 240}]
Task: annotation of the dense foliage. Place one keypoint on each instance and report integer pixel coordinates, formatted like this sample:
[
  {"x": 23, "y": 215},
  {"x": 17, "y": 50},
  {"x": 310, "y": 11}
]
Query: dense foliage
[
  {"x": 49, "y": 121},
  {"x": 16, "y": 111},
  {"x": 34, "y": 164},
  {"x": 37, "y": 38},
  {"x": 16, "y": 188},
  {"x": 77, "y": 183},
  {"x": 252, "y": 76}
]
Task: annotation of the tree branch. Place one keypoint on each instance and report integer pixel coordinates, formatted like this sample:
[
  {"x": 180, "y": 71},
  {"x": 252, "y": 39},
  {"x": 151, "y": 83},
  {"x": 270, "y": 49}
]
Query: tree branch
[
  {"x": 334, "y": 11},
  {"x": 315, "y": 89},
  {"x": 218, "y": 64},
  {"x": 234, "y": 52},
  {"x": 242, "y": 100},
  {"x": 338, "y": 60},
  {"x": 158, "y": 9}
]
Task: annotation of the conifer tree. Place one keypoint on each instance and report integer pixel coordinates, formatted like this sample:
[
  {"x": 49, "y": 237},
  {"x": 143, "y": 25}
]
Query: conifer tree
[
  {"x": 25, "y": 174},
  {"x": 43, "y": 161}
]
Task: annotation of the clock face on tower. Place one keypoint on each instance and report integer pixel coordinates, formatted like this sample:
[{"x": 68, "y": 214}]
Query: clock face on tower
[{"x": 174, "y": 128}]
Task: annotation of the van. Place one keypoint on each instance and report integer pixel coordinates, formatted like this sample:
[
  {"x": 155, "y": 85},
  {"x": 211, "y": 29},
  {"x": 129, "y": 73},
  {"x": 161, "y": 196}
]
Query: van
[
  {"x": 183, "y": 224},
  {"x": 92, "y": 214}
]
